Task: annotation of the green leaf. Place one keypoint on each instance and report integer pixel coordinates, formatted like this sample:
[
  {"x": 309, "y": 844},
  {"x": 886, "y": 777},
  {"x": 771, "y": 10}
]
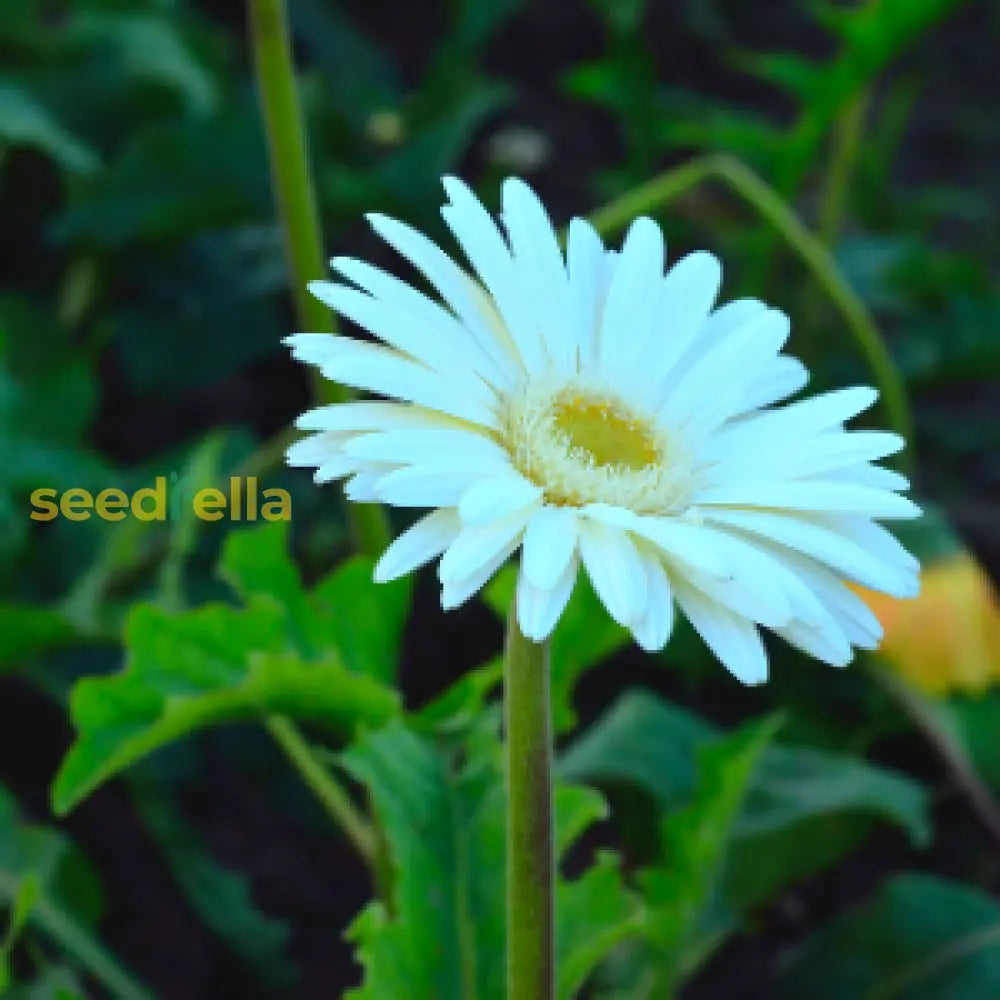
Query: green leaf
[
  {"x": 26, "y": 629},
  {"x": 679, "y": 891},
  {"x": 444, "y": 822},
  {"x": 346, "y": 611},
  {"x": 584, "y": 636},
  {"x": 463, "y": 704},
  {"x": 322, "y": 656},
  {"x": 203, "y": 668},
  {"x": 173, "y": 180},
  {"x": 202, "y": 467},
  {"x": 221, "y": 897},
  {"x": 203, "y": 310},
  {"x": 25, "y": 121},
  {"x": 412, "y": 173},
  {"x": 53, "y": 983},
  {"x": 34, "y": 852},
  {"x": 23, "y": 903},
  {"x": 920, "y": 938},
  {"x": 149, "y": 49},
  {"x": 623, "y": 16},
  {"x": 805, "y": 808}
]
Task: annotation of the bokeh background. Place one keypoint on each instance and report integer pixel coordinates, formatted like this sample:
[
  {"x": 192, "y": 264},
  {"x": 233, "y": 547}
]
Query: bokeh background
[{"x": 143, "y": 295}]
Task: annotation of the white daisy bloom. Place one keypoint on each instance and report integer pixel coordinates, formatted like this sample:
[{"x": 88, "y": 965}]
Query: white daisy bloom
[{"x": 592, "y": 408}]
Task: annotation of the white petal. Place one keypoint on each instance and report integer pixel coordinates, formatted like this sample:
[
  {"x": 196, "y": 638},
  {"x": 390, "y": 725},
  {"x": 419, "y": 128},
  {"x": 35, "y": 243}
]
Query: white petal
[
  {"x": 817, "y": 413},
  {"x": 316, "y": 348},
  {"x": 488, "y": 253},
  {"x": 496, "y": 497},
  {"x": 690, "y": 544},
  {"x": 873, "y": 476},
  {"x": 426, "y": 486},
  {"x": 720, "y": 323},
  {"x": 442, "y": 448},
  {"x": 825, "y": 644},
  {"x": 782, "y": 378},
  {"x": 429, "y": 314},
  {"x": 854, "y": 561},
  {"x": 337, "y": 468},
  {"x": 586, "y": 264},
  {"x": 445, "y": 275},
  {"x": 360, "y": 488},
  {"x": 539, "y": 610},
  {"x": 709, "y": 392},
  {"x": 549, "y": 544},
  {"x": 733, "y": 639},
  {"x": 432, "y": 343},
  {"x": 316, "y": 449},
  {"x": 653, "y": 627},
  {"x": 835, "y": 451},
  {"x": 627, "y": 326},
  {"x": 855, "y": 618},
  {"x": 759, "y": 602},
  {"x": 683, "y": 304},
  {"x": 614, "y": 568},
  {"x": 762, "y": 571},
  {"x": 813, "y": 495},
  {"x": 456, "y": 592},
  {"x": 785, "y": 455},
  {"x": 384, "y": 371},
  {"x": 542, "y": 272},
  {"x": 476, "y": 545},
  {"x": 419, "y": 544},
  {"x": 365, "y": 415},
  {"x": 877, "y": 540}
]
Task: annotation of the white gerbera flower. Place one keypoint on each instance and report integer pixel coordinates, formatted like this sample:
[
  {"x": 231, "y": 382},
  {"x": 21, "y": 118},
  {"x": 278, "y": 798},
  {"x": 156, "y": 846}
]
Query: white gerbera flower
[{"x": 595, "y": 409}]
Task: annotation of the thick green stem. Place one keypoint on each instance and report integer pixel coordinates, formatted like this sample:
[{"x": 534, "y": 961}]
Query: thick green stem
[
  {"x": 324, "y": 786},
  {"x": 296, "y": 199},
  {"x": 773, "y": 208},
  {"x": 530, "y": 853}
]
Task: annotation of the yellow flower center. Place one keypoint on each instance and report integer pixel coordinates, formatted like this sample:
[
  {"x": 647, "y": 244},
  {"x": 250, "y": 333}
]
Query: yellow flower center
[
  {"x": 601, "y": 431},
  {"x": 583, "y": 444}
]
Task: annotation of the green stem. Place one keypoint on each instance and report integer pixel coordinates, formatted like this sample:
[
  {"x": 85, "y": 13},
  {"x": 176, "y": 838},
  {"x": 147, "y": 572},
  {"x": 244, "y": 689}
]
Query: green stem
[
  {"x": 296, "y": 199},
  {"x": 844, "y": 153},
  {"x": 53, "y": 921},
  {"x": 772, "y": 207},
  {"x": 530, "y": 857},
  {"x": 927, "y": 719},
  {"x": 652, "y": 195},
  {"x": 331, "y": 796},
  {"x": 290, "y": 170}
]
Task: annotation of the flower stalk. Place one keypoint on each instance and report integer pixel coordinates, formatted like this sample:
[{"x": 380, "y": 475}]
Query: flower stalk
[
  {"x": 290, "y": 171},
  {"x": 295, "y": 194},
  {"x": 530, "y": 851}
]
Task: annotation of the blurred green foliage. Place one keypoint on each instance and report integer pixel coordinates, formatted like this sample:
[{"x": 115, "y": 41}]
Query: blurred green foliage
[{"x": 142, "y": 301}]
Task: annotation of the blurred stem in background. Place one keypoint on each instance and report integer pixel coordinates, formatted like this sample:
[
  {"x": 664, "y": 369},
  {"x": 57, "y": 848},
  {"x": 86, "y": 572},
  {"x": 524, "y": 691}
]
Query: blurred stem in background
[
  {"x": 929, "y": 720},
  {"x": 530, "y": 858},
  {"x": 43, "y": 911},
  {"x": 296, "y": 200},
  {"x": 775, "y": 210},
  {"x": 331, "y": 796},
  {"x": 295, "y": 194},
  {"x": 846, "y": 142}
]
